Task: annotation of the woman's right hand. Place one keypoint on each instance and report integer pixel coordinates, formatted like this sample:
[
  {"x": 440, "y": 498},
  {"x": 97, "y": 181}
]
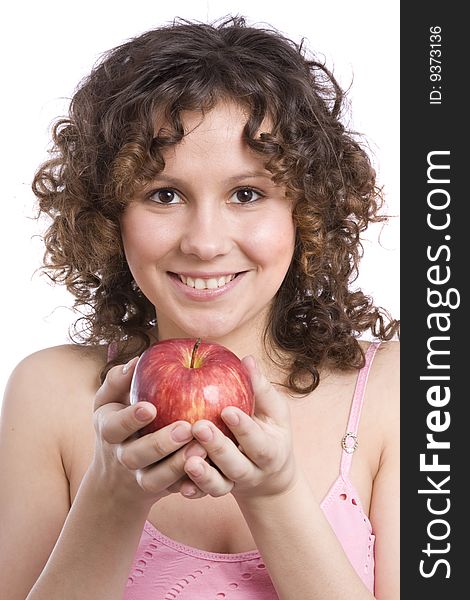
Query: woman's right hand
[{"x": 139, "y": 468}]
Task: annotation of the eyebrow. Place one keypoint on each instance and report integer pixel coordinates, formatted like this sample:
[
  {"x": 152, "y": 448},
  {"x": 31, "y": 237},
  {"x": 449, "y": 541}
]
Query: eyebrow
[{"x": 248, "y": 175}]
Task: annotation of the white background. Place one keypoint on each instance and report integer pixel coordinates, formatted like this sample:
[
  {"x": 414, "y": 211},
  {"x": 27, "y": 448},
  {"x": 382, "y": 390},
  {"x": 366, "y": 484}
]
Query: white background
[{"x": 48, "y": 46}]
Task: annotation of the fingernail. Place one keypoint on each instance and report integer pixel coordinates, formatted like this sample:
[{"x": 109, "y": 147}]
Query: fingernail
[
  {"x": 203, "y": 433},
  {"x": 190, "y": 492},
  {"x": 181, "y": 433},
  {"x": 251, "y": 363},
  {"x": 128, "y": 365},
  {"x": 196, "y": 469},
  {"x": 143, "y": 413},
  {"x": 194, "y": 450},
  {"x": 231, "y": 417}
]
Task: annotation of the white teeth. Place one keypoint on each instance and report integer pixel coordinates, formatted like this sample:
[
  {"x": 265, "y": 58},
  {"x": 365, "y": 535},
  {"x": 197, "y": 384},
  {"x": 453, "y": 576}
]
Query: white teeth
[
  {"x": 206, "y": 284},
  {"x": 211, "y": 284}
]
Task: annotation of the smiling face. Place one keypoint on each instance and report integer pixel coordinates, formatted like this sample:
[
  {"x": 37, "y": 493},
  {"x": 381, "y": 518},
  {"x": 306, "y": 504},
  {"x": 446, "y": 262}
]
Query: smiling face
[{"x": 211, "y": 238}]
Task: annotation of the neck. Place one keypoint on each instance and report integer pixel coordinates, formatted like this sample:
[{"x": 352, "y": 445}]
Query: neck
[{"x": 242, "y": 342}]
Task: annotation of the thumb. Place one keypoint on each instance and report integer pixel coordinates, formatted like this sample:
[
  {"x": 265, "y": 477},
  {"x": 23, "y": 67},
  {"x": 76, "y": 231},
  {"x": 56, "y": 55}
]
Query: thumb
[
  {"x": 268, "y": 401},
  {"x": 114, "y": 419},
  {"x": 115, "y": 387}
]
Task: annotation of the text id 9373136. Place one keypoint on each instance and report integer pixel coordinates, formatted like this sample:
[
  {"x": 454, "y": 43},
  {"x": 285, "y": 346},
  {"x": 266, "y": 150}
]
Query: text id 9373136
[{"x": 435, "y": 64}]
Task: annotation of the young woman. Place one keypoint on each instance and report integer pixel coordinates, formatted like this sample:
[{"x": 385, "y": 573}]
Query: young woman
[{"x": 203, "y": 185}]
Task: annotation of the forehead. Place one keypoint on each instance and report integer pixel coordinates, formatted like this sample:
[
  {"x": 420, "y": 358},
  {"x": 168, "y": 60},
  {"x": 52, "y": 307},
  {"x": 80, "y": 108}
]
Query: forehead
[
  {"x": 216, "y": 135},
  {"x": 226, "y": 117}
]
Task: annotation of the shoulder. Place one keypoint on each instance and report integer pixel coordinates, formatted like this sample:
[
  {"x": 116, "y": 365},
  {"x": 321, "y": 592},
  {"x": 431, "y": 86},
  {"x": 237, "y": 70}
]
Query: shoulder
[
  {"x": 384, "y": 376},
  {"x": 383, "y": 393},
  {"x": 383, "y": 396},
  {"x": 384, "y": 370},
  {"x": 387, "y": 360},
  {"x": 51, "y": 387},
  {"x": 46, "y": 443},
  {"x": 48, "y": 403},
  {"x": 53, "y": 370},
  {"x": 77, "y": 354}
]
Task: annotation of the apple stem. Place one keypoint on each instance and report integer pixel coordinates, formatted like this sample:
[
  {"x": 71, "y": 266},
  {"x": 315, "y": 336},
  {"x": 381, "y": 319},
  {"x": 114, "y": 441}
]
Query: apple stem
[{"x": 196, "y": 346}]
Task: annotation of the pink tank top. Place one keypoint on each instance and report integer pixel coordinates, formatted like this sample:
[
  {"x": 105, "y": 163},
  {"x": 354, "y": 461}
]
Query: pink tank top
[{"x": 164, "y": 569}]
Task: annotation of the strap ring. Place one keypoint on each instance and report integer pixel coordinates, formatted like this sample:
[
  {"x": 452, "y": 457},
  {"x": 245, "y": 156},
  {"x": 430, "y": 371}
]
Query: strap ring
[{"x": 349, "y": 448}]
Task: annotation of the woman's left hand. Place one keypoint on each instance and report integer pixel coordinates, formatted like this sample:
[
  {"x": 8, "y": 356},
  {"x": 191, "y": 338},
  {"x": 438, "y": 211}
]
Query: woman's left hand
[{"x": 264, "y": 463}]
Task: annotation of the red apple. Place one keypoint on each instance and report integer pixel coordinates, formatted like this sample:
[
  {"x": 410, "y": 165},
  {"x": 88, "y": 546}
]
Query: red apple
[{"x": 189, "y": 379}]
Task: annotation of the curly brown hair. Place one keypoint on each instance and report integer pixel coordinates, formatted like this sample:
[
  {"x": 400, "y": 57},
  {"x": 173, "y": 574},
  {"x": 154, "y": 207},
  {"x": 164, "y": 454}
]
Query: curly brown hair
[{"x": 107, "y": 149}]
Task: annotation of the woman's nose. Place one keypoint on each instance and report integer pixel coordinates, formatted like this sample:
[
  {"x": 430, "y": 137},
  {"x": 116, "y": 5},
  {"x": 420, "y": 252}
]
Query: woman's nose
[{"x": 207, "y": 234}]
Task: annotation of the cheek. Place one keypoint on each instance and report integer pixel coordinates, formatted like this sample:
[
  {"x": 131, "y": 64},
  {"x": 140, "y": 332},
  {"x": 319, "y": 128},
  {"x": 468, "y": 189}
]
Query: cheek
[
  {"x": 134, "y": 242},
  {"x": 142, "y": 239},
  {"x": 272, "y": 241}
]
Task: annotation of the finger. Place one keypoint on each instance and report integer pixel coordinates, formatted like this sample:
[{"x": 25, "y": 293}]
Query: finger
[
  {"x": 223, "y": 452},
  {"x": 116, "y": 423},
  {"x": 115, "y": 387},
  {"x": 253, "y": 440},
  {"x": 268, "y": 401},
  {"x": 159, "y": 478},
  {"x": 189, "y": 489},
  {"x": 207, "y": 478},
  {"x": 185, "y": 486},
  {"x": 144, "y": 451}
]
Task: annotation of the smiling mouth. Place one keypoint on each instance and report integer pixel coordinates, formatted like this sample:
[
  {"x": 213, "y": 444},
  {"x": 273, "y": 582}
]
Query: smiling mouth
[{"x": 211, "y": 283}]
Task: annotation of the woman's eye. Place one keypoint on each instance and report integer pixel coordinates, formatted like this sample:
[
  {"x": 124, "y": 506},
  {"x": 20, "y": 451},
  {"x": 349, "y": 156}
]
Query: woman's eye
[
  {"x": 165, "y": 196},
  {"x": 246, "y": 196}
]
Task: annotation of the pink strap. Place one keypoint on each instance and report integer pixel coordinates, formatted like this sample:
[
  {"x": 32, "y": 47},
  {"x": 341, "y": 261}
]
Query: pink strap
[
  {"x": 349, "y": 441},
  {"x": 112, "y": 351}
]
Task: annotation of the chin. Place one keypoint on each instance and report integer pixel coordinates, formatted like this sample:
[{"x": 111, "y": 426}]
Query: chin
[{"x": 212, "y": 329}]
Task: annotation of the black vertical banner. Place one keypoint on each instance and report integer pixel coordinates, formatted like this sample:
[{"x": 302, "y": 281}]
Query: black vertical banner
[{"x": 435, "y": 243}]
